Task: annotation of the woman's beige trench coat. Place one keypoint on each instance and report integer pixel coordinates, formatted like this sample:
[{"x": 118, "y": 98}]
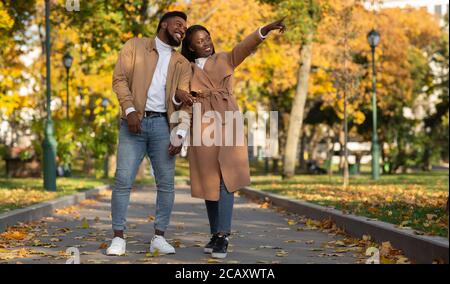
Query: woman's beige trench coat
[{"x": 213, "y": 86}]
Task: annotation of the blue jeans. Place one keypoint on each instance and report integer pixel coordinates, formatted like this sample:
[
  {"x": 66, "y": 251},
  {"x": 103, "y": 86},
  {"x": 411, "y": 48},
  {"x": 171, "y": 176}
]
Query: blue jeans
[
  {"x": 154, "y": 141},
  {"x": 220, "y": 212}
]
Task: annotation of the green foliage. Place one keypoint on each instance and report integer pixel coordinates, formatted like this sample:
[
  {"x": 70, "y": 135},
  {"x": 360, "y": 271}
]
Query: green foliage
[
  {"x": 105, "y": 25},
  {"x": 65, "y": 135},
  {"x": 302, "y": 17},
  {"x": 20, "y": 192}
]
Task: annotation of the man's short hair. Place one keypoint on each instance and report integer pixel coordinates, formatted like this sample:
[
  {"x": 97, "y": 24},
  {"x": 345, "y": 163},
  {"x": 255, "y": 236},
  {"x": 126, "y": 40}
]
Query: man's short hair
[{"x": 169, "y": 15}]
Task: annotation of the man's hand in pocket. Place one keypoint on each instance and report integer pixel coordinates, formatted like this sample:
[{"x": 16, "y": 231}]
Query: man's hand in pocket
[{"x": 134, "y": 124}]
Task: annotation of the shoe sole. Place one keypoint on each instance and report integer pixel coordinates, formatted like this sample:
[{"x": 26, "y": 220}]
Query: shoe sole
[
  {"x": 218, "y": 255},
  {"x": 161, "y": 253},
  {"x": 115, "y": 254},
  {"x": 207, "y": 250}
]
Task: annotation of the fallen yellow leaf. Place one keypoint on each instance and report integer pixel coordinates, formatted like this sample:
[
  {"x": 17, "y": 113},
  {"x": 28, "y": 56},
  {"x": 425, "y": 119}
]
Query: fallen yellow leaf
[
  {"x": 282, "y": 253},
  {"x": 292, "y": 222},
  {"x": 14, "y": 235},
  {"x": 84, "y": 224}
]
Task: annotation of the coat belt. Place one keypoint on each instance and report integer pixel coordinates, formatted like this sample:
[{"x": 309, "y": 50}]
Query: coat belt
[{"x": 219, "y": 100}]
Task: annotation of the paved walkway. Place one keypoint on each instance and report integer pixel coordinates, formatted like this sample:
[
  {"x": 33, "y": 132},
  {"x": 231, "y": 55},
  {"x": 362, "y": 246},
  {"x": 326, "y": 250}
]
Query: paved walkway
[{"x": 260, "y": 235}]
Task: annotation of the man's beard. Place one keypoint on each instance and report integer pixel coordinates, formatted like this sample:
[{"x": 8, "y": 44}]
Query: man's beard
[{"x": 172, "y": 40}]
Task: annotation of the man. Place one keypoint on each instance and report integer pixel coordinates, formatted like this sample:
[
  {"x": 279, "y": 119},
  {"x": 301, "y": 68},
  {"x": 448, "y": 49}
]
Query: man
[{"x": 146, "y": 76}]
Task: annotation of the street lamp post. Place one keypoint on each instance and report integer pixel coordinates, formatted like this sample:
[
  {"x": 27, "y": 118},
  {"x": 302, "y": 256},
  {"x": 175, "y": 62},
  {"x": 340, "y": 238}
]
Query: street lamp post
[
  {"x": 49, "y": 143},
  {"x": 67, "y": 61},
  {"x": 374, "y": 39}
]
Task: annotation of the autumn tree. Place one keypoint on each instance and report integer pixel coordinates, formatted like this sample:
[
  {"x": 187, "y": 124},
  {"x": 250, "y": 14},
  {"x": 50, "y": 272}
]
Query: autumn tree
[
  {"x": 405, "y": 82},
  {"x": 93, "y": 36},
  {"x": 345, "y": 72},
  {"x": 15, "y": 17},
  {"x": 436, "y": 122},
  {"x": 302, "y": 18},
  {"x": 405, "y": 77}
]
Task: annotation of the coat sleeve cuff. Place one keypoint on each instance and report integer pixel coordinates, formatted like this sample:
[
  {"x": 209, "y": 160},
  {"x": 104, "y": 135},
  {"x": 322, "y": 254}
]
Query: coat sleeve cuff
[
  {"x": 175, "y": 101},
  {"x": 261, "y": 35},
  {"x": 129, "y": 110}
]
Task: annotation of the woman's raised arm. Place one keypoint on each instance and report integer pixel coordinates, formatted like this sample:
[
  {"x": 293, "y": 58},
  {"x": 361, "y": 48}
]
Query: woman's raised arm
[{"x": 243, "y": 49}]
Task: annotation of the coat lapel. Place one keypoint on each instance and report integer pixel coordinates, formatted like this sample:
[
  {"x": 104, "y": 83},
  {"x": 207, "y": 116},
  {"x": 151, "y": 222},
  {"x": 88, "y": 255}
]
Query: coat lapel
[
  {"x": 203, "y": 76},
  {"x": 173, "y": 73},
  {"x": 216, "y": 70}
]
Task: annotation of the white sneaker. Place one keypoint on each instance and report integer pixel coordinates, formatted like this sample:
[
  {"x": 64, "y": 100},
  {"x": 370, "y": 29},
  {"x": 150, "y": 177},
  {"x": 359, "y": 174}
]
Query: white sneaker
[
  {"x": 117, "y": 247},
  {"x": 160, "y": 244}
]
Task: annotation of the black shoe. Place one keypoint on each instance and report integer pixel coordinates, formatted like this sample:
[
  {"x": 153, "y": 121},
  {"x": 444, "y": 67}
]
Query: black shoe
[
  {"x": 221, "y": 247},
  {"x": 209, "y": 247}
]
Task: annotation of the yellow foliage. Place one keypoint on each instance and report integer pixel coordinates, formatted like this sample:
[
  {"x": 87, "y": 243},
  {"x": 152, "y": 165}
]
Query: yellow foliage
[
  {"x": 400, "y": 29},
  {"x": 6, "y": 22}
]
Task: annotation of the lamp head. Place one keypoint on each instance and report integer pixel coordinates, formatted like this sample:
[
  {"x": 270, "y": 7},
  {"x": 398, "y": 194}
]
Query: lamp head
[
  {"x": 373, "y": 37},
  {"x": 67, "y": 60},
  {"x": 105, "y": 102}
]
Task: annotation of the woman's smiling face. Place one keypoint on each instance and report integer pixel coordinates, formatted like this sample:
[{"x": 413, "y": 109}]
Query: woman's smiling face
[{"x": 201, "y": 44}]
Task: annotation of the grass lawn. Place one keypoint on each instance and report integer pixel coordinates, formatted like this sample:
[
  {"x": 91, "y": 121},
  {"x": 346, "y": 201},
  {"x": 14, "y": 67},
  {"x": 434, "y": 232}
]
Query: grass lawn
[
  {"x": 20, "y": 192},
  {"x": 409, "y": 200}
]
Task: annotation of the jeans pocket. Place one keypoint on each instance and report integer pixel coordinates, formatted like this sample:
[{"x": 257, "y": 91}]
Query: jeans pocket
[{"x": 123, "y": 128}]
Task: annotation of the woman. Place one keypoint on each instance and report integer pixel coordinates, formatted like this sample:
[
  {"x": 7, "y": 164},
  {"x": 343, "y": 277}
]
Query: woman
[{"x": 217, "y": 171}]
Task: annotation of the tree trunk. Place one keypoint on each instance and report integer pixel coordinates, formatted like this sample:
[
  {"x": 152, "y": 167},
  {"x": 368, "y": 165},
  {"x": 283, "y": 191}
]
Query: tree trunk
[
  {"x": 383, "y": 156},
  {"x": 298, "y": 107},
  {"x": 302, "y": 162},
  {"x": 426, "y": 160},
  {"x": 341, "y": 150},
  {"x": 266, "y": 165},
  {"x": 330, "y": 154},
  {"x": 346, "y": 173},
  {"x": 88, "y": 166},
  {"x": 275, "y": 166},
  {"x": 275, "y": 104},
  {"x": 313, "y": 143}
]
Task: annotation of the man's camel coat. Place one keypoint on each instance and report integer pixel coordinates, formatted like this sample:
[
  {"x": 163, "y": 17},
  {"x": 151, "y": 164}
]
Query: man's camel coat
[{"x": 133, "y": 75}]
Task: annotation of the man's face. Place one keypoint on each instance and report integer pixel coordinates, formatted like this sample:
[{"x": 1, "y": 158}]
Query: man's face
[{"x": 175, "y": 30}]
